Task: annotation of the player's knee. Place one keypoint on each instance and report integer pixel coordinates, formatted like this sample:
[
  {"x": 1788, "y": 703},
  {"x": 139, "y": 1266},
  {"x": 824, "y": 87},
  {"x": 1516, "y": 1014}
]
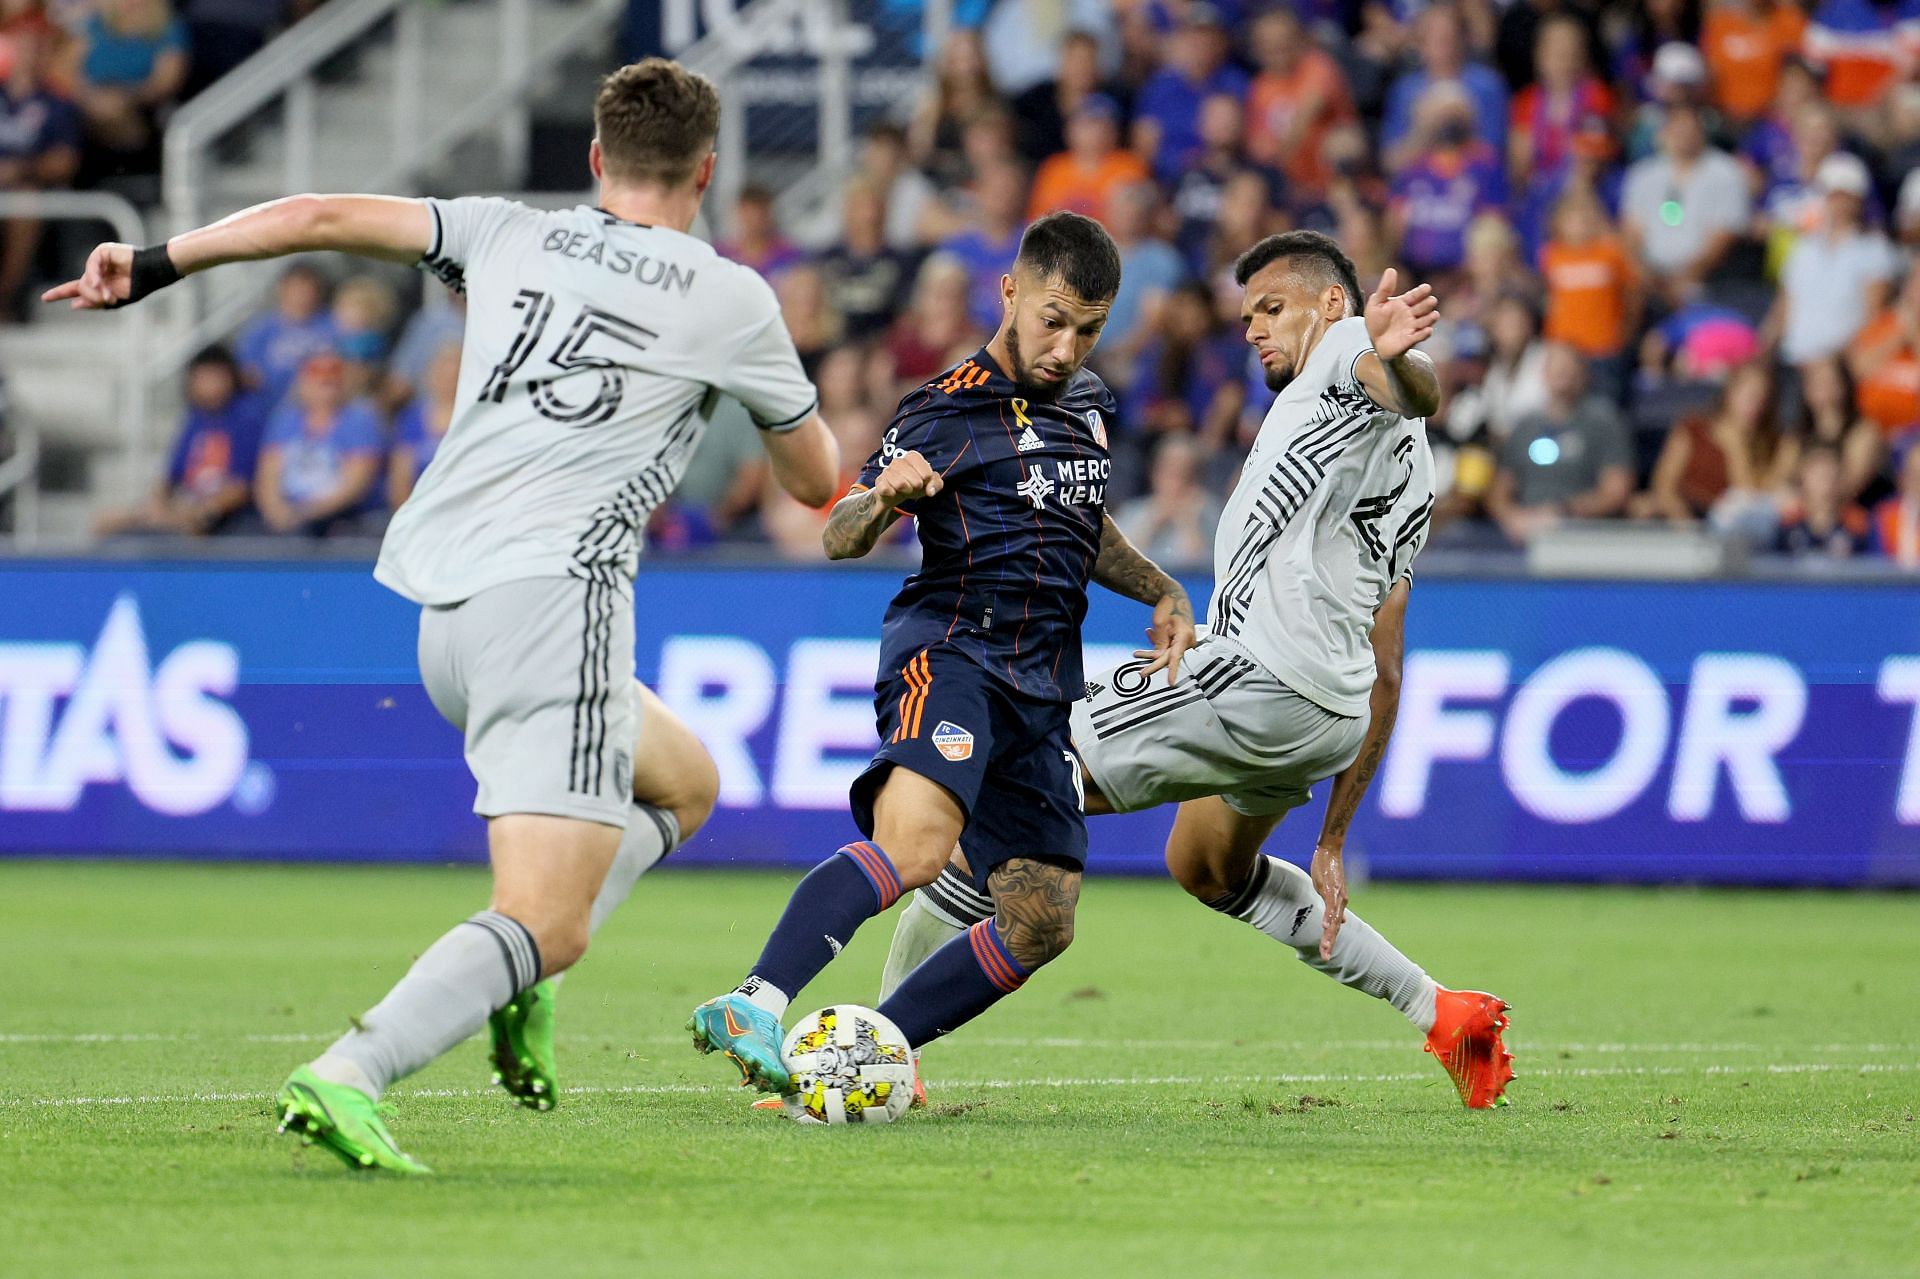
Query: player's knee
[
  {"x": 1200, "y": 878},
  {"x": 1036, "y": 940},
  {"x": 562, "y": 945},
  {"x": 919, "y": 855},
  {"x": 695, "y": 804}
]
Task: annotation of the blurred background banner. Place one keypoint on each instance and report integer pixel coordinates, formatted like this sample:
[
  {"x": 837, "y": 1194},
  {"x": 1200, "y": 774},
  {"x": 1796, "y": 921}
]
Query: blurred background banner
[{"x": 1548, "y": 730}]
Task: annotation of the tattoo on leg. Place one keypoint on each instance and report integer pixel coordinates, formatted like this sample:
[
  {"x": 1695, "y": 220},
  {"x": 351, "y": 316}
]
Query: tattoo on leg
[{"x": 1033, "y": 904}]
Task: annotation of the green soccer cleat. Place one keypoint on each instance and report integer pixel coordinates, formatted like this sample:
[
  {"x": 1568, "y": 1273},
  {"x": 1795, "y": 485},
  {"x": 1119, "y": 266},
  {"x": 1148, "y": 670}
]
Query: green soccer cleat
[
  {"x": 748, "y": 1035},
  {"x": 523, "y": 1047},
  {"x": 344, "y": 1120}
]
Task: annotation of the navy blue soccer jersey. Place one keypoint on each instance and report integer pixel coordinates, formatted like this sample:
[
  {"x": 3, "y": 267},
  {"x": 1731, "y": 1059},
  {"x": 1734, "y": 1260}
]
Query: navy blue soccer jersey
[{"x": 1009, "y": 542}]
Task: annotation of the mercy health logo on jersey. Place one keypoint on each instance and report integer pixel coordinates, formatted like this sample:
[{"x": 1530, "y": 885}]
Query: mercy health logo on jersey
[{"x": 73, "y": 716}]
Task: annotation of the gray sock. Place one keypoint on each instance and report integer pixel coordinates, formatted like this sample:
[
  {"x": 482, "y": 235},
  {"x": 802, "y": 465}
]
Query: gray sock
[
  {"x": 1279, "y": 899},
  {"x": 445, "y": 997},
  {"x": 651, "y": 834}
]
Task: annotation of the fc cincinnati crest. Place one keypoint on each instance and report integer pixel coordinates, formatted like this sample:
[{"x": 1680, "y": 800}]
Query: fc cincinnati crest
[
  {"x": 1099, "y": 428},
  {"x": 952, "y": 741}
]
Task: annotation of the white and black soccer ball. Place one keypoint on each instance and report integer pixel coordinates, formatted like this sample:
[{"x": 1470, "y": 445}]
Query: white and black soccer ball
[{"x": 849, "y": 1065}]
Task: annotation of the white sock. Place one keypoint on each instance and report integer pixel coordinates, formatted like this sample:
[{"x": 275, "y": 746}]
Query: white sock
[
  {"x": 923, "y": 928},
  {"x": 764, "y": 994},
  {"x": 1279, "y": 899},
  {"x": 445, "y": 997}
]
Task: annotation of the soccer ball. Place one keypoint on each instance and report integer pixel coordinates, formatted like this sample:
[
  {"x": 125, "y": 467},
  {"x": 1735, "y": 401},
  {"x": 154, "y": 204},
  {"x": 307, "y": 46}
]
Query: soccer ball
[{"x": 849, "y": 1065}]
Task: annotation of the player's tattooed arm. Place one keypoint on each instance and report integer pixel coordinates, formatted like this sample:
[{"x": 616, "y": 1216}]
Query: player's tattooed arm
[
  {"x": 1395, "y": 376},
  {"x": 859, "y": 519},
  {"x": 1033, "y": 905},
  {"x": 1350, "y": 784},
  {"x": 1123, "y": 570}
]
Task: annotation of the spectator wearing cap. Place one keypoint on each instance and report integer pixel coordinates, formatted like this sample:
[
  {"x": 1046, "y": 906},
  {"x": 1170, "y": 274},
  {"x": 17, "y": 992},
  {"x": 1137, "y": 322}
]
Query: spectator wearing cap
[
  {"x": 1298, "y": 98},
  {"x": 1442, "y": 49},
  {"x": 1635, "y": 37},
  {"x": 1452, "y": 178},
  {"x": 1683, "y": 209},
  {"x": 1166, "y": 127},
  {"x": 1746, "y": 43},
  {"x": 867, "y": 280},
  {"x": 1202, "y": 189},
  {"x": 320, "y": 463},
  {"x": 39, "y": 151},
  {"x": 1678, "y": 78},
  {"x": 1570, "y": 460},
  {"x": 208, "y": 477},
  {"x": 1150, "y": 269},
  {"x": 1896, "y": 521},
  {"x": 274, "y": 346},
  {"x": 1818, "y": 520},
  {"x": 1796, "y": 205},
  {"x": 1565, "y": 96},
  {"x": 1885, "y": 362},
  {"x": 755, "y": 238},
  {"x": 1837, "y": 276},
  {"x": 1084, "y": 176},
  {"x": 991, "y": 240}
]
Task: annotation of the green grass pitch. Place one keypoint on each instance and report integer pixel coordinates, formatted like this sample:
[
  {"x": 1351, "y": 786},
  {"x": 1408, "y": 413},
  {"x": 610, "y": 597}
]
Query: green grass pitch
[{"x": 1712, "y": 1083}]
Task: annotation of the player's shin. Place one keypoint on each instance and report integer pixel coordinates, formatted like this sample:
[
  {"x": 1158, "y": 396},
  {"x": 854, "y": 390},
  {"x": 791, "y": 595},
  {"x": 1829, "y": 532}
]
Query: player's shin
[
  {"x": 1279, "y": 899},
  {"x": 961, "y": 980},
  {"x": 827, "y": 907},
  {"x": 651, "y": 834},
  {"x": 445, "y": 997},
  {"x": 934, "y": 916}
]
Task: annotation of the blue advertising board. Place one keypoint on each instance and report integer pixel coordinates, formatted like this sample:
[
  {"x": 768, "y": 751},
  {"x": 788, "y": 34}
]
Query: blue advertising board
[{"x": 1706, "y": 732}]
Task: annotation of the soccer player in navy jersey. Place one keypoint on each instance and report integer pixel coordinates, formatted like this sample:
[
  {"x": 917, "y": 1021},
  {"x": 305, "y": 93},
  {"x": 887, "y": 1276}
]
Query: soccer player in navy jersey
[{"x": 1003, "y": 463}]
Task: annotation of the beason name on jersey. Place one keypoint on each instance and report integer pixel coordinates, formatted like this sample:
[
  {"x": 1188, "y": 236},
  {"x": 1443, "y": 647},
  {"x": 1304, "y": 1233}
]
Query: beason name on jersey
[
  {"x": 1009, "y": 543},
  {"x": 595, "y": 349},
  {"x": 1331, "y": 508}
]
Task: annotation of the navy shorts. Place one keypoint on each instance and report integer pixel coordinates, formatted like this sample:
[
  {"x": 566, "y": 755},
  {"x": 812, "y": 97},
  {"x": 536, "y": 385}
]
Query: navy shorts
[{"x": 1008, "y": 759}]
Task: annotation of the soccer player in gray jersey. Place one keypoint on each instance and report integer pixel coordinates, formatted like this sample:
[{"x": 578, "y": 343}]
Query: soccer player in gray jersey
[
  {"x": 598, "y": 341},
  {"x": 1298, "y": 678}
]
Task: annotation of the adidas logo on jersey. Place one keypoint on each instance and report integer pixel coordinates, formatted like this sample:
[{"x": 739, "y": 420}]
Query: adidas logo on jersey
[{"x": 1030, "y": 440}]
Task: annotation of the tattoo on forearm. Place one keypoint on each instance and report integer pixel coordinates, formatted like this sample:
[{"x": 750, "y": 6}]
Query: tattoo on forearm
[
  {"x": 1125, "y": 571},
  {"x": 1417, "y": 379},
  {"x": 855, "y": 525},
  {"x": 1033, "y": 908},
  {"x": 1351, "y": 788}
]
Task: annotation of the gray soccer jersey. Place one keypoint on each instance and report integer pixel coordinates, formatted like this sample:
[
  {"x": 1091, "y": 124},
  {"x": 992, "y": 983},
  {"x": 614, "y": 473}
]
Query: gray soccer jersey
[
  {"x": 1331, "y": 508},
  {"x": 593, "y": 354}
]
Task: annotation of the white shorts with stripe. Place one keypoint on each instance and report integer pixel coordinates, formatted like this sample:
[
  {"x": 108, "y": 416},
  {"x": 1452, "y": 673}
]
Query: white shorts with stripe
[
  {"x": 538, "y": 673},
  {"x": 1227, "y": 728}
]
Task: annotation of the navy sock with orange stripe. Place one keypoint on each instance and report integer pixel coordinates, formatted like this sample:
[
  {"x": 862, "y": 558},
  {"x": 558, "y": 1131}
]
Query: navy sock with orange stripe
[
  {"x": 837, "y": 896},
  {"x": 955, "y": 984}
]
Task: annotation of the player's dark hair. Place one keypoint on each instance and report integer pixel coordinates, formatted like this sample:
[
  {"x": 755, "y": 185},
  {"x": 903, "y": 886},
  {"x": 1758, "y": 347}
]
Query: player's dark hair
[
  {"x": 1075, "y": 250},
  {"x": 655, "y": 121},
  {"x": 1313, "y": 255}
]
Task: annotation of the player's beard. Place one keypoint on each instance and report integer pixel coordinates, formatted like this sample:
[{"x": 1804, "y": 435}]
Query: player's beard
[
  {"x": 1021, "y": 374},
  {"x": 1277, "y": 379}
]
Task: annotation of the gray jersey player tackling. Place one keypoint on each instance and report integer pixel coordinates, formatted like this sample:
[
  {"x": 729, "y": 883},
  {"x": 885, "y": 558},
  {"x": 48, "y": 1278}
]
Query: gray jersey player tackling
[
  {"x": 1297, "y": 680},
  {"x": 597, "y": 342}
]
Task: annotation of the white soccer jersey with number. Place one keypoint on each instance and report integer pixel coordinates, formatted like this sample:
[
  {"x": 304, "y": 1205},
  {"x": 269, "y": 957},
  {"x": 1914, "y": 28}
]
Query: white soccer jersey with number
[
  {"x": 594, "y": 350},
  {"x": 1331, "y": 508}
]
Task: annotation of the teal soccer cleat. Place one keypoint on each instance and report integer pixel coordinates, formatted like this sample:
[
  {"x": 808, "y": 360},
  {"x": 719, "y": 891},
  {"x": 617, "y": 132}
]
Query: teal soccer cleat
[{"x": 748, "y": 1035}]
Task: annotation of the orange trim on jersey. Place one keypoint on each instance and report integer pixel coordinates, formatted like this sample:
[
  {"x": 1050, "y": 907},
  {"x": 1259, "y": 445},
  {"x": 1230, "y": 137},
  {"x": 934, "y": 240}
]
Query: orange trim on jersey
[{"x": 963, "y": 377}]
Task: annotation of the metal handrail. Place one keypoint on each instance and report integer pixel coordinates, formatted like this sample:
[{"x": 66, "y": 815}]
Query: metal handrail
[{"x": 21, "y": 473}]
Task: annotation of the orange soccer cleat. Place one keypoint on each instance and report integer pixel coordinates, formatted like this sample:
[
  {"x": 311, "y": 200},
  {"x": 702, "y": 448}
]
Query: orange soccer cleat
[{"x": 1466, "y": 1038}]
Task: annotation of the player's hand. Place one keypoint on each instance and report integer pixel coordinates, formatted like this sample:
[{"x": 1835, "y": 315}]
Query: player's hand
[
  {"x": 1171, "y": 634},
  {"x": 1398, "y": 323},
  {"x": 107, "y": 280},
  {"x": 907, "y": 478},
  {"x": 1330, "y": 881}
]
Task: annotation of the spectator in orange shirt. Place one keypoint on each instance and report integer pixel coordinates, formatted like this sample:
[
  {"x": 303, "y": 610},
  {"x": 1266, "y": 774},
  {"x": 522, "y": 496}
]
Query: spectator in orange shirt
[
  {"x": 1885, "y": 361},
  {"x": 1091, "y": 168},
  {"x": 1298, "y": 97},
  {"x": 1746, "y": 41},
  {"x": 1593, "y": 302}
]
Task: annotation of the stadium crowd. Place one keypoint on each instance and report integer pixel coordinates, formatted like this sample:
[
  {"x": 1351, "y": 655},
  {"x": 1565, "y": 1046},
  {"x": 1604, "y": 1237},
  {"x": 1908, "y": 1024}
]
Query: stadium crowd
[{"x": 1674, "y": 243}]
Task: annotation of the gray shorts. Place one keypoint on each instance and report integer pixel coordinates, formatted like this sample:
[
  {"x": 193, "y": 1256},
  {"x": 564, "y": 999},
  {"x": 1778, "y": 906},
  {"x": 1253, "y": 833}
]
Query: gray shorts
[
  {"x": 539, "y": 675},
  {"x": 1228, "y": 728}
]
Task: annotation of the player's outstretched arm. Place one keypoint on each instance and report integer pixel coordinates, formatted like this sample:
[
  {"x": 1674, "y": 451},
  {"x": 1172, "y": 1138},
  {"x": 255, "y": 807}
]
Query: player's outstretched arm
[
  {"x": 1123, "y": 570},
  {"x": 805, "y": 460},
  {"x": 859, "y": 519},
  {"x": 1350, "y": 784},
  {"x": 1395, "y": 376},
  {"x": 370, "y": 225}
]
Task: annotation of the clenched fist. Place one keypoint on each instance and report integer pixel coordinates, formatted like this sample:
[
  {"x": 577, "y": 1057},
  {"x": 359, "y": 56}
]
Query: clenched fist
[{"x": 906, "y": 479}]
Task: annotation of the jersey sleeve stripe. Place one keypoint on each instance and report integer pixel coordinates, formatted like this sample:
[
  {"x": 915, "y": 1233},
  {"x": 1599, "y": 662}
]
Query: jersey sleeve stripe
[{"x": 788, "y": 423}]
